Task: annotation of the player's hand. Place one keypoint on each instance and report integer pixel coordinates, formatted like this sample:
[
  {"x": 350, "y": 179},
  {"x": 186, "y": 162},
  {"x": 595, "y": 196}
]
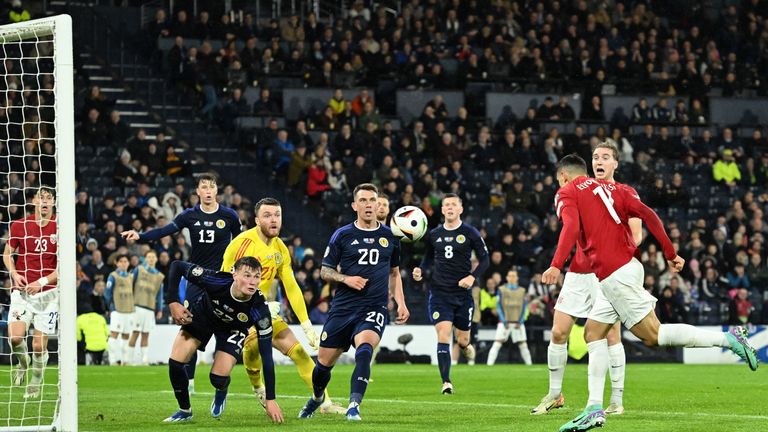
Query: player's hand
[
  {"x": 467, "y": 282},
  {"x": 402, "y": 313},
  {"x": 550, "y": 276},
  {"x": 130, "y": 235},
  {"x": 274, "y": 309},
  {"x": 676, "y": 264},
  {"x": 19, "y": 280},
  {"x": 33, "y": 288},
  {"x": 355, "y": 282},
  {"x": 180, "y": 314},
  {"x": 311, "y": 334},
  {"x": 274, "y": 412},
  {"x": 417, "y": 274}
]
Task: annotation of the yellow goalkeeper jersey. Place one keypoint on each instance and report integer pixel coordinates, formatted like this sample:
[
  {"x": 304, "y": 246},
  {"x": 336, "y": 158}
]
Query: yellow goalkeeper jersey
[{"x": 275, "y": 262}]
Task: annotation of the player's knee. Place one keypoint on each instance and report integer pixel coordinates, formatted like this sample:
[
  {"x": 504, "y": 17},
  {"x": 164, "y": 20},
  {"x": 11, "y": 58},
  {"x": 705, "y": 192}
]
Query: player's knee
[
  {"x": 37, "y": 345},
  {"x": 559, "y": 336},
  {"x": 17, "y": 340},
  {"x": 463, "y": 341},
  {"x": 219, "y": 382}
]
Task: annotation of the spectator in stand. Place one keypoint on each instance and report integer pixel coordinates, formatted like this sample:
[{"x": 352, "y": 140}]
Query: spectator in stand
[
  {"x": 564, "y": 110},
  {"x": 338, "y": 103},
  {"x": 593, "y": 110},
  {"x": 548, "y": 110},
  {"x": 358, "y": 103},
  {"x": 726, "y": 171},
  {"x": 740, "y": 308},
  {"x": 641, "y": 112},
  {"x": 174, "y": 165},
  {"x": 125, "y": 172},
  {"x": 317, "y": 180},
  {"x": 300, "y": 161},
  {"x": 661, "y": 111},
  {"x": 118, "y": 132},
  {"x": 265, "y": 106},
  {"x": 93, "y": 132}
]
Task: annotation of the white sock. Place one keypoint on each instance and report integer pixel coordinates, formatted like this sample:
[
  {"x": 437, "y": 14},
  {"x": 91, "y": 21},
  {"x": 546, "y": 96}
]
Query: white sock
[
  {"x": 525, "y": 353},
  {"x": 557, "y": 358},
  {"x": 39, "y": 361},
  {"x": 144, "y": 355},
  {"x": 113, "y": 348},
  {"x": 20, "y": 351},
  {"x": 493, "y": 353},
  {"x": 598, "y": 368},
  {"x": 127, "y": 352},
  {"x": 691, "y": 337},
  {"x": 618, "y": 362}
]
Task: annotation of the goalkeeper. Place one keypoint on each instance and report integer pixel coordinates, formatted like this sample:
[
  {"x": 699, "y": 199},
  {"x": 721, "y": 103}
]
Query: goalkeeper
[{"x": 263, "y": 243}]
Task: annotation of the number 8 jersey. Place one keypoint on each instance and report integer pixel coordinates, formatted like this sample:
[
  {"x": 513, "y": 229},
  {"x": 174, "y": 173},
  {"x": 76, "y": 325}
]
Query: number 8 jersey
[{"x": 368, "y": 253}]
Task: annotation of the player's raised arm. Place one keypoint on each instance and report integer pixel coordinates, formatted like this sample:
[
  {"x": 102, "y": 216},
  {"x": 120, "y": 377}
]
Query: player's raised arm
[
  {"x": 638, "y": 209},
  {"x": 153, "y": 235}
]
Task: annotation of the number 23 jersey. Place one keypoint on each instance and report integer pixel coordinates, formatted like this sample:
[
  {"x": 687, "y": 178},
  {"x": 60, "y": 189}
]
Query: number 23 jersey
[{"x": 368, "y": 253}]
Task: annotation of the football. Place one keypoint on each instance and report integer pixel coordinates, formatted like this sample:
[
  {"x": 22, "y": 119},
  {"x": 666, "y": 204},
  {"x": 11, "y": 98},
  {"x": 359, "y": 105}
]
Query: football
[{"x": 409, "y": 223}]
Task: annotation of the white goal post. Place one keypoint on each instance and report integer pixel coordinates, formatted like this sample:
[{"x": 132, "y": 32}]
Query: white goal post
[{"x": 59, "y": 29}]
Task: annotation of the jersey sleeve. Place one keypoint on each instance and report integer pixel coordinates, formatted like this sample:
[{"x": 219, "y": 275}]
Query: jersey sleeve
[
  {"x": 17, "y": 234},
  {"x": 481, "y": 252},
  {"x": 332, "y": 254},
  {"x": 108, "y": 289},
  {"x": 394, "y": 260},
  {"x": 636, "y": 208},
  {"x": 292, "y": 289},
  {"x": 236, "y": 227},
  {"x": 568, "y": 213},
  {"x": 176, "y": 225},
  {"x": 262, "y": 319}
]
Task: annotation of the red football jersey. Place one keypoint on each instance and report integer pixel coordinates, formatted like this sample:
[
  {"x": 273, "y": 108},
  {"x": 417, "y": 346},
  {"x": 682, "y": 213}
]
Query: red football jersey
[
  {"x": 580, "y": 262},
  {"x": 595, "y": 214},
  {"x": 35, "y": 247}
]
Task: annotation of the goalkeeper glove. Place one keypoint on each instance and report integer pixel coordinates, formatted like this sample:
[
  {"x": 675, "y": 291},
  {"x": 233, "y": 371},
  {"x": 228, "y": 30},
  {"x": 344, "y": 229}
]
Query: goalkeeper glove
[
  {"x": 274, "y": 309},
  {"x": 312, "y": 337}
]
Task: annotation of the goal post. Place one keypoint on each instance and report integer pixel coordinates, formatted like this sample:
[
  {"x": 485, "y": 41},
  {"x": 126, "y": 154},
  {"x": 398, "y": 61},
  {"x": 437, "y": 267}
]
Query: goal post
[{"x": 32, "y": 40}]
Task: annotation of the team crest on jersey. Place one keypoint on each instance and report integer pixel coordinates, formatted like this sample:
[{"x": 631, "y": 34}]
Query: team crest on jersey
[
  {"x": 383, "y": 242},
  {"x": 435, "y": 315},
  {"x": 242, "y": 317},
  {"x": 197, "y": 271},
  {"x": 278, "y": 258},
  {"x": 220, "y": 224},
  {"x": 324, "y": 336},
  {"x": 460, "y": 239},
  {"x": 54, "y": 239},
  {"x": 265, "y": 322}
]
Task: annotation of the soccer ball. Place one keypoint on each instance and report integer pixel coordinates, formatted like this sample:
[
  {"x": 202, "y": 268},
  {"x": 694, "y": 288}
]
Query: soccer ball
[{"x": 409, "y": 224}]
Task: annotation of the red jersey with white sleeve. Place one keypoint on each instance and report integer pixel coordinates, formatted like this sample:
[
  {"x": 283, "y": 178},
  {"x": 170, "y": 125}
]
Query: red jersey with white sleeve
[
  {"x": 595, "y": 214},
  {"x": 579, "y": 262},
  {"x": 35, "y": 247}
]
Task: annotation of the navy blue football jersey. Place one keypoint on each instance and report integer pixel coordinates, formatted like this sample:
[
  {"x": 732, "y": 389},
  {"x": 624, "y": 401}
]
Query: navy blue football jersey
[
  {"x": 210, "y": 233},
  {"x": 366, "y": 253},
  {"x": 217, "y": 305},
  {"x": 451, "y": 251}
]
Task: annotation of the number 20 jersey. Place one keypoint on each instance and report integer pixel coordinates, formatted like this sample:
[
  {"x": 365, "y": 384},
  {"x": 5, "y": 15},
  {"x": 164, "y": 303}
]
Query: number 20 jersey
[{"x": 369, "y": 254}]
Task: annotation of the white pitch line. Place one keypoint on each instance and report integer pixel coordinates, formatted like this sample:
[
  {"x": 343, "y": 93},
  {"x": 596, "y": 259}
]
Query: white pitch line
[{"x": 492, "y": 405}]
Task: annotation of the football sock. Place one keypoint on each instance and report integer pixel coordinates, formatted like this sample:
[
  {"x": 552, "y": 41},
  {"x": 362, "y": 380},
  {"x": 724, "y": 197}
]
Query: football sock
[
  {"x": 618, "y": 362},
  {"x": 179, "y": 382},
  {"x": 493, "y": 353},
  {"x": 38, "y": 366},
  {"x": 361, "y": 373},
  {"x": 375, "y": 353},
  {"x": 525, "y": 353},
  {"x": 127, "y": 353},
  {"x": 321, "y": 375},
  {"x": 304, "y": 363},
  {"x": 252, "y": 360},
  {"x": 557, "y": 358},
  {"x": 598, "y": 368},
  {"x": 444, "y": 361},
  {"x": 20, "y": 351},
  {"x": 113, "y": 348},
  {"x": 191, "y": 366},
  {"x": 144, "y": 356},
  {"x": 691, "y": 337}
]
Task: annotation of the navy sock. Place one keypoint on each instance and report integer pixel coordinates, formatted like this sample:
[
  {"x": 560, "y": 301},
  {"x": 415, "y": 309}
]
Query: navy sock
[
  {"x": 191, "y": 365},
  {"x": 219, "y": 382},
  {"x": 444, "y": 361},
  {"x": 362, "y": 372},
  {"x": 321, "y": 375},
  {"x": 179, "y": 382}
]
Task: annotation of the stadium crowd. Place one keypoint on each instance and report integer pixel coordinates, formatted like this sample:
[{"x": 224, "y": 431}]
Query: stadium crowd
[{"x": 709, "y": 183}]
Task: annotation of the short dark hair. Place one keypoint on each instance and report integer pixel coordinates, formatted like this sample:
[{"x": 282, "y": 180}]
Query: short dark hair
[
  {"x": 572, "y": 163},
  {"x": 365, "y": 186},
  {"x": 265, "y": 201},
  {"x": 383, "y": 195},
  {"x": 46, "y": 190},
  {"x": 121, "y": 256},
  {"x": 247, "y": 261},
  {"x": 452, "y": 195},
  {"x": 211, "y": 177}
]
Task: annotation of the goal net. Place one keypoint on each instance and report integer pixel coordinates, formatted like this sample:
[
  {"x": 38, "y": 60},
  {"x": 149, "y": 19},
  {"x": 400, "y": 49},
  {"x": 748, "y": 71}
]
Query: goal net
[{"x": 37, "y": 236}]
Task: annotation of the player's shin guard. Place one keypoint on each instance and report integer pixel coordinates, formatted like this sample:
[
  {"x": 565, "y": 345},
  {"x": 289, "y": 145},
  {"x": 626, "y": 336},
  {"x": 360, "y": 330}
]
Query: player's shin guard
[
  {"x": 444, "y": 361},
  {"x": 304, "y": 363},
  {"x": 361, "y": 374},
  {"x": 557, "y": 358},
  {"x": 179, "y": 382},
  {"x": 525, "y": 353},
  {"x": 618, "y": 362},
  {"x": 20, "y": 351},
  {"x": 493, "y": 353},
  {"x": 113, "y": 348},
  {"x": 598, "y": 368},
  {"x": 39, "y": 361},
  {"x": 252, "y": 360},
  {"x": 690, "y": 337},
  {"x": 321, "y": 375}
]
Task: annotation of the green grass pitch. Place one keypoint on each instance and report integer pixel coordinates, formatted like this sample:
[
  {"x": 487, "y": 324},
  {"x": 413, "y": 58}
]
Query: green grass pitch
[{"x": 670, "y": 397}]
